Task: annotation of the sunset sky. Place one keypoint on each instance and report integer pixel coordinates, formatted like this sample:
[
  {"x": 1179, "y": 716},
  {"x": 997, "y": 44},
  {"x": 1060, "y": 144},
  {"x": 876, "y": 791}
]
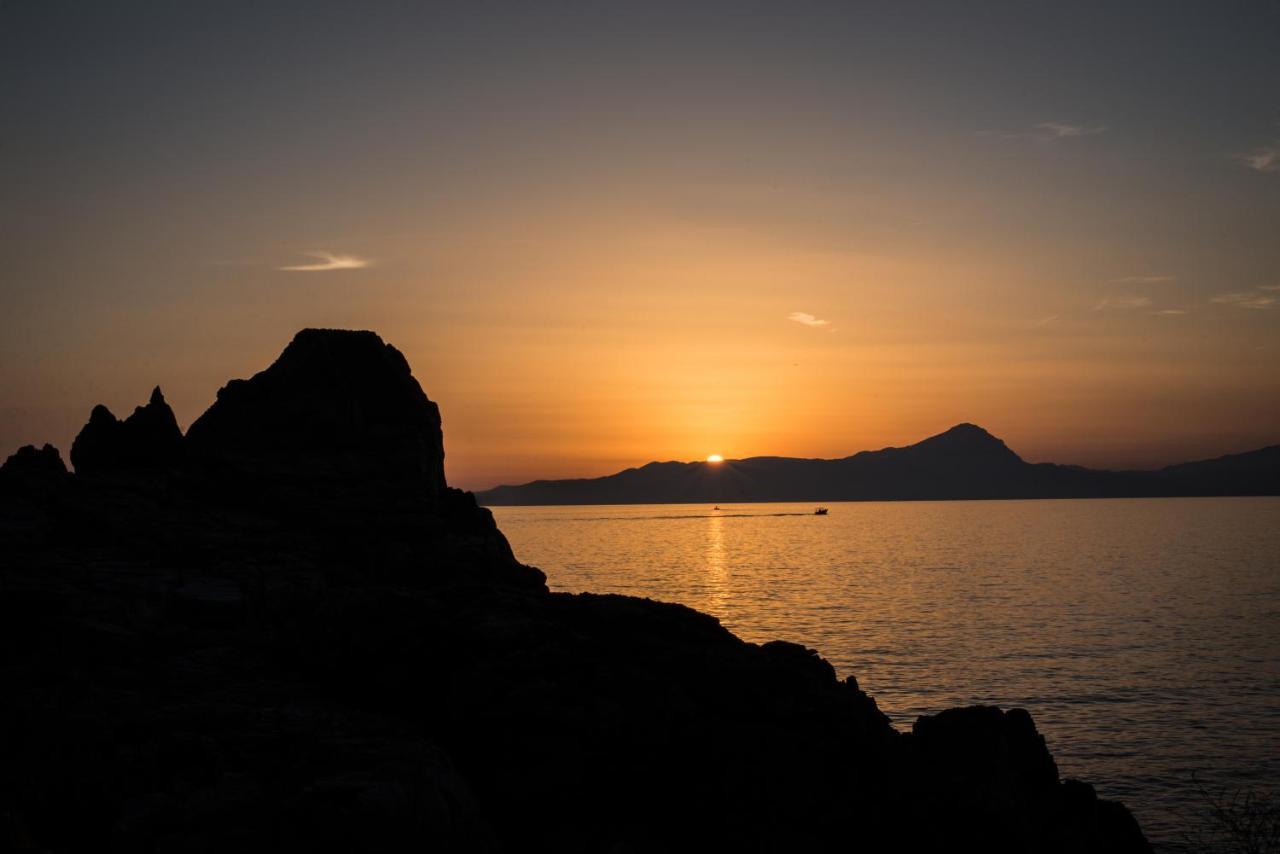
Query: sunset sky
[{"x": 605, "y": 234}]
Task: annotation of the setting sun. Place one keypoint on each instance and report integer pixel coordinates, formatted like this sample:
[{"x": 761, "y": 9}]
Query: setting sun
[{"x": 715, "y": 458}]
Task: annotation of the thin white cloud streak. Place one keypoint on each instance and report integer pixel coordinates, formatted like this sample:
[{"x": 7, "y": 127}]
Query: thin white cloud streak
[
  {"x": 1171, "y": 312},
  {"x": 1143, "y": 280},
  {"x": 807, "y": 319},
  {"x": 328, "y": 261},
  {"x": 1254, "y": 301},
  {"x": 1266, "y": 159},
  {"x": 1122, "y": 303},
  {"x": 1269, "y": 287},
  {"x": 1058, "y": 130},
  {"x": 1047, "y": 131}
]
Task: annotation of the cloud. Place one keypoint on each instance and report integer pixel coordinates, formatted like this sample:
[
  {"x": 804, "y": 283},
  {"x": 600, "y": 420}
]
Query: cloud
[
  {"x": 1143, "y": 280},
  {"x": 1058, "y": 130},
  {"x": 328, "y": 261},
  {"x": 1266, "y": 159},
  {"x": 1047, "y": 131},
  {"x": 1269, "y": 287},
  {"x": 1122, "y": 303},
  {"x": 1044, "y": 321},
  {"x": 1170, "y": 312},
  {"x": 1251, "y": 300},
  {"x": 807, "y": 319}
]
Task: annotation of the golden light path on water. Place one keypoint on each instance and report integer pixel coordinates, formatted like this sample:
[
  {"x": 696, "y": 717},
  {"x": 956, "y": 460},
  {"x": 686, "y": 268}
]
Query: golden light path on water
[{"x": 717, "y": 571}]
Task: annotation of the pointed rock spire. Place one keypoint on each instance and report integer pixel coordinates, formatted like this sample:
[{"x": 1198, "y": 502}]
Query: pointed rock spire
[{"x": 148, "y": 440}]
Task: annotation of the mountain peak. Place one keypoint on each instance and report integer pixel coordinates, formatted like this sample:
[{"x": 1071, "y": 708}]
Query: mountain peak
[
  {"x": 970, "y": 440},
  {"x": 964, "y": 428}
]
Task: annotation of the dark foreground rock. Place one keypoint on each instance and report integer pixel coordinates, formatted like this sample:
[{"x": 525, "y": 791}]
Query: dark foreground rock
[
  {"x": 34, "y": 465},
  {"x": 287, "y": 633}
]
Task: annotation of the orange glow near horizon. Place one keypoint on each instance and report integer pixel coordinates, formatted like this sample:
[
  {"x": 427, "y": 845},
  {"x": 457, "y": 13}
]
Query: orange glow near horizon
[
  {"x": 539, "y": 373},
  {"x": 715, "y": 458}
]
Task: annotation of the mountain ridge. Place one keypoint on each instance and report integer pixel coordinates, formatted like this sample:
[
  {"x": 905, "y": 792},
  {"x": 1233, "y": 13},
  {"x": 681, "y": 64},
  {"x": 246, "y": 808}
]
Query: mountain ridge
[{"x": 964, "y": 462}]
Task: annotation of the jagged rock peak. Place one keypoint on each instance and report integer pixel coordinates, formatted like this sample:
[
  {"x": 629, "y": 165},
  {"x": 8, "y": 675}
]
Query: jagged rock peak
[
  {"x": 337, "y": 437},
  {"x": 147, "y": 440},
  {"x": 156, "y": 420},
  {"x": 335, "y": 402}
]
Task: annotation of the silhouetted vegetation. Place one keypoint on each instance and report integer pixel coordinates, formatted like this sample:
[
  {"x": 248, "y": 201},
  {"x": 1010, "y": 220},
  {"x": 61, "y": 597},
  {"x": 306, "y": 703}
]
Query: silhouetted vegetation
[{"x": 1236, "y": 821}]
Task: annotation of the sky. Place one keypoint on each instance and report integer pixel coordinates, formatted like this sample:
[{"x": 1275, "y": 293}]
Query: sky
[{"x": 605, "y": 234}]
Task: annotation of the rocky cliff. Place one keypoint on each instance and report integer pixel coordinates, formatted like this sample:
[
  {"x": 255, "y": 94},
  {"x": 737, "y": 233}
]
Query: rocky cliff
[{"x": 284, "y": 631}]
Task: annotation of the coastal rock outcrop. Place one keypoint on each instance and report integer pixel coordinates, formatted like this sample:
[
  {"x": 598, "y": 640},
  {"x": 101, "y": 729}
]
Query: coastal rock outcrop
[
  {"x": 334, "y": 451},
  {"x": 300, "y": 636},
  {"x": 986, "y": 773}
]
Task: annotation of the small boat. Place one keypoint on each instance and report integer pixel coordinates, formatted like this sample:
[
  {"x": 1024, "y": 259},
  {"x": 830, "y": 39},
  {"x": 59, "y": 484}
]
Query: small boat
[
  {"x": 717, "y": 507},
  {"x": 820, "y": 511}
]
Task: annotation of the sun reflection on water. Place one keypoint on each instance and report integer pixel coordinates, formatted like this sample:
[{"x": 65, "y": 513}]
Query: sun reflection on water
[{"x": 717, "y": 572}]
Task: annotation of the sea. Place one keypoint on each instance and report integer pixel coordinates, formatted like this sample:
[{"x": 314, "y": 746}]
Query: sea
[{"x": 1143, "y": 635}]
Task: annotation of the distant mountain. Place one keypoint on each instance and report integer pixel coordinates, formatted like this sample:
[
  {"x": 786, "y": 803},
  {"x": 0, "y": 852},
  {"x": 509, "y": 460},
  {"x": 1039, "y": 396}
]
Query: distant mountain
[{"x": 965, "y": 462}]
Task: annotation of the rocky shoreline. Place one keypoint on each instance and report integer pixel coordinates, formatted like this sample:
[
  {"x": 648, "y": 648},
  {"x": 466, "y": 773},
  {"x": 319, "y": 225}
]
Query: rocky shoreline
[{"x": 284, "y": 630}]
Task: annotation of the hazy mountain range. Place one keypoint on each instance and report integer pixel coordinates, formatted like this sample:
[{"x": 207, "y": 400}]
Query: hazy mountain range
[{"x": 965, "y": 462}]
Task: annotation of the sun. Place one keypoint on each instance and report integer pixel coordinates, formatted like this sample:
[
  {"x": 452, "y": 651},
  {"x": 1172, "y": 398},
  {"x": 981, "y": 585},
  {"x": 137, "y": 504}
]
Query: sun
[{"x": 715, "y": 458}]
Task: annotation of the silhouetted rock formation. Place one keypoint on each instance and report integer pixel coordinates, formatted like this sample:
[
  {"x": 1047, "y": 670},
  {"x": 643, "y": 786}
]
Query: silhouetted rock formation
[
  {"x": 334, "y": 450},
  {"x": 148, "y": 440},
  {"x": 188, "y": 665},
  {"x": 337, "y": 436},
  {"x": 336, "y": 409},
  {"x": 987, "y": 774},
  {"x": 964, "y": 462},
  {"x": 28, "y": 463}
]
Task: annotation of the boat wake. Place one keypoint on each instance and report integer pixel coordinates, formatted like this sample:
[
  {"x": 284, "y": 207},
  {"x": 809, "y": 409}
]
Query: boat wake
[{"x": 683, "y": 516}]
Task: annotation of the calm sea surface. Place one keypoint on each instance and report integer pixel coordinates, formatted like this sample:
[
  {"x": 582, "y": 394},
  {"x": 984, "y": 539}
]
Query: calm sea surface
[{"x": 1143, "y": 635}]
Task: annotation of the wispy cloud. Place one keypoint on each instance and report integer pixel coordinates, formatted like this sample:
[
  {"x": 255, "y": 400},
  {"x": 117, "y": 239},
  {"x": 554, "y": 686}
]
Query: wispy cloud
[
  {"x": 1170, "y": 312},
  {"x": 1265, "y": 159},
  {"x": 1269, "y": 287},
  {"x": 1143, "y": 280},
  {"x": 327, "y": 261},
  {"x": 1058, "y": 130},
  {"x": 1247, "y": 299},
  {"x": 1047, "y": 131},
  {"x": 1122, "y": 303},
  {"x": 1042, "y": 322},
  {"x": 807, "y": 319}
]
